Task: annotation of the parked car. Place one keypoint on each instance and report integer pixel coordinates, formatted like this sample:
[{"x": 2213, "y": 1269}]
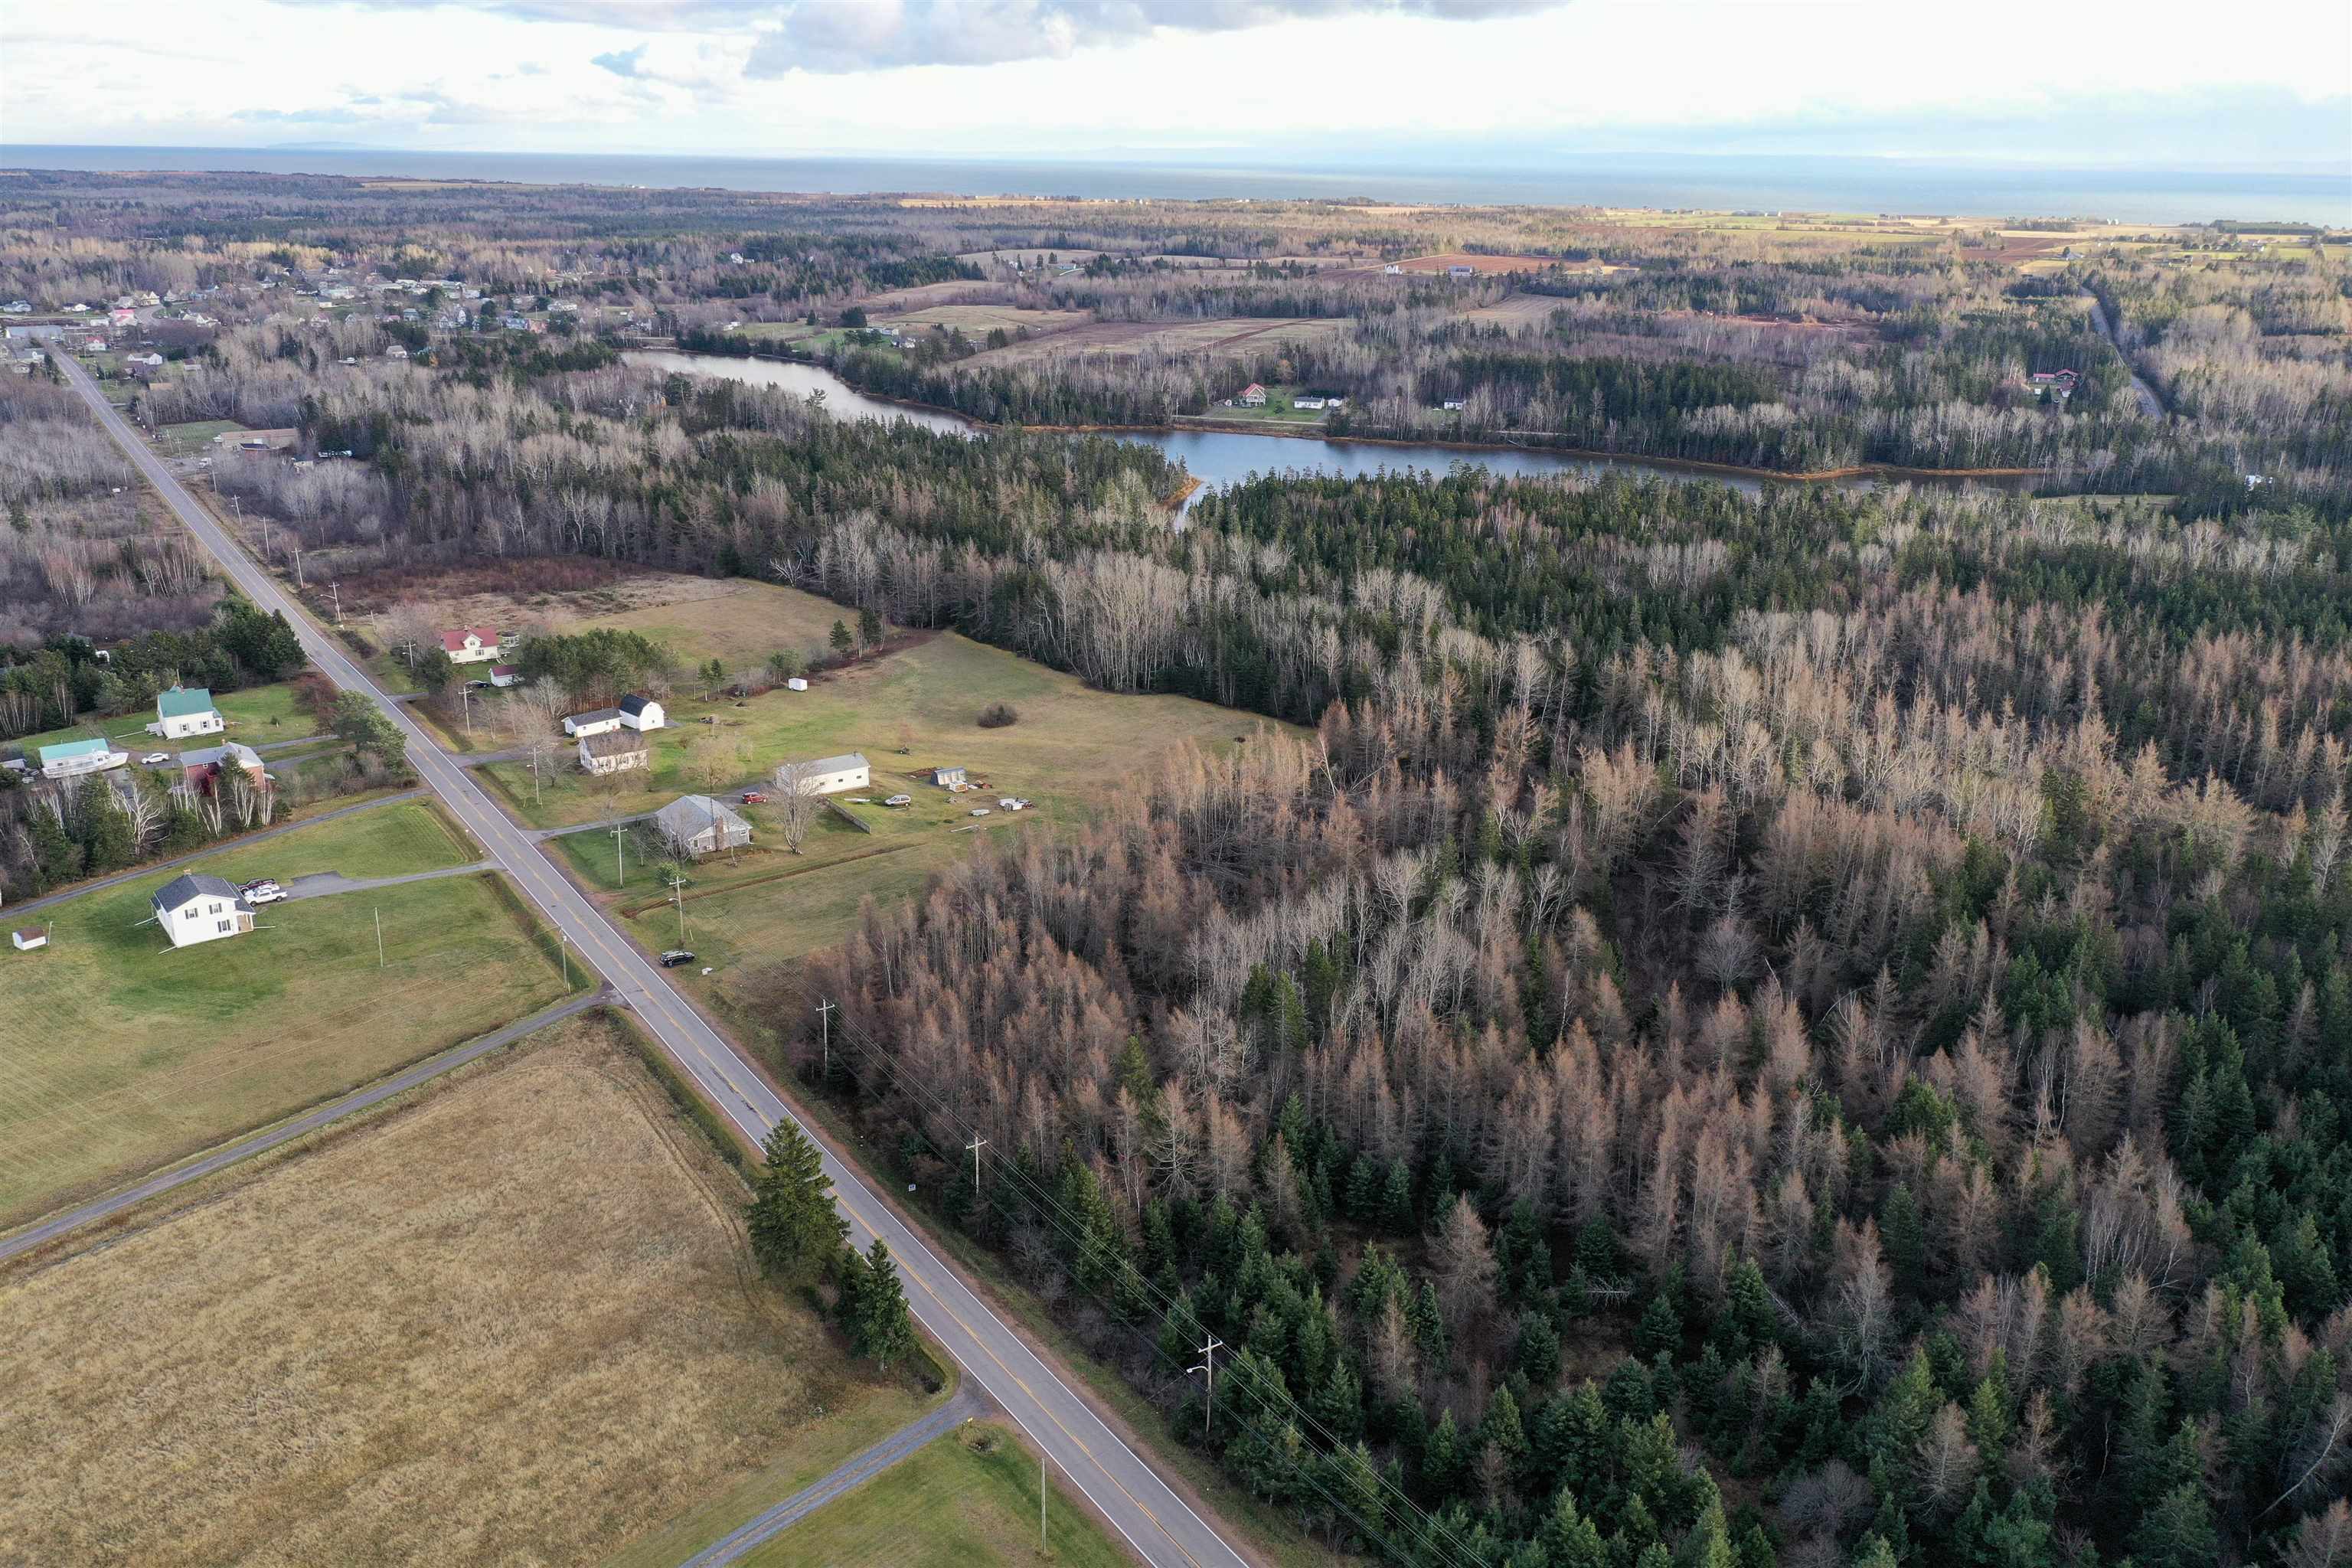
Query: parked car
[
  {"x": 900, "y": 800},
  {"x": 674, "y": 957},
  {"x": 154, "y": 759},
  {"x": 754, "y": 797},
  {"x": 265, "y": 895},
  {"x": 979, "y": 811},
  {"x": 260, "y": 885}
]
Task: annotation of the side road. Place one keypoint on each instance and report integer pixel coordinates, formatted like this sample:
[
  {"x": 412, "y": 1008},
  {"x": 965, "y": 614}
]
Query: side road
[
  {"x": 310, "y": 1122},
  {"x": 849, "y": 1476}
]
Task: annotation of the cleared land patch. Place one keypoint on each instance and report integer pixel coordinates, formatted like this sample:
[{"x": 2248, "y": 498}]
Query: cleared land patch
[
  {"x": 512, "y": 1322},
  {"x": 120, "y": 1057},
  {"x": 1126, "y": 339},
  {"x": 975, "y": 320},
  {"x": 1517, "y": 310}
]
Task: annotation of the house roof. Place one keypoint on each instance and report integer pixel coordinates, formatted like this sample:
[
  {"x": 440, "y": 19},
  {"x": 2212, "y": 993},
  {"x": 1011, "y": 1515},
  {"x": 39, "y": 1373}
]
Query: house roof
[
  {"x": 692, "y": 814},
  {"x": 183, "y": 702},
  {"x": 506, "y": 670},
  {"x": 596, "y": 716},
  {"x": 454, "y": 642},
  {"x": 836, "y": 764},
  {"x": 613, "y": 742},
  {"x": 244, "y": 756},
  {"x": 96, "y": 746},
  {"x": 634, "y": 704},
  {"x": 1252, "y": 386},
  {"x": 195, "y": 885}
]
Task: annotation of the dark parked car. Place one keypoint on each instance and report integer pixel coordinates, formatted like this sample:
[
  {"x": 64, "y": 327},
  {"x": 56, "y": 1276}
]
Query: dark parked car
[{"x": 674, "y": 957}]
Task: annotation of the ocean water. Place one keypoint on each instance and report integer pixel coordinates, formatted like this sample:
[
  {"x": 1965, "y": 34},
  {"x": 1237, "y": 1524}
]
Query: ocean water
[{"x": 1728, "y": 182}]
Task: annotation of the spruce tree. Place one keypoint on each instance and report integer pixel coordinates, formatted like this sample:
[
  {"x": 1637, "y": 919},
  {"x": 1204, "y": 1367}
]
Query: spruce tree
[{"x": 795, "y": 1224}]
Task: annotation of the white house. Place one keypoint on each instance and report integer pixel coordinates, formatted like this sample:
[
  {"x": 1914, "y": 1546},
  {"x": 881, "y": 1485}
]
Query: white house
[
  {"x": 642, "y": 712},
  {"x": 827, "y": 775},
  {"x": 471, "y": 645},
  {"x": 185, "y": 711},
  {"x": 612, "y": 751},
  {"x": 598, "y": 721},
  {"x": 193, "y": 907},
  {"x": 1250, "y": 397},
  {"x": 696, "y": 825},
  {"x": 69, "y": 758}
]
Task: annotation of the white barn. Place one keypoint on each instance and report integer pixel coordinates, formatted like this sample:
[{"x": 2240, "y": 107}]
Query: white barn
[
  {"x": 193, "y": 907},
  {"x": 642, "y": 712},
  {"x": 827, "y": 775}
]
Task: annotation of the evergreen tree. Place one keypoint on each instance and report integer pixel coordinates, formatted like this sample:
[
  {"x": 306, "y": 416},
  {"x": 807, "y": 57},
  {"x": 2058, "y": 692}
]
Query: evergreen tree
[
  {"x": 873, "y": 1306},
  {"x": 795, "y": 1224}
]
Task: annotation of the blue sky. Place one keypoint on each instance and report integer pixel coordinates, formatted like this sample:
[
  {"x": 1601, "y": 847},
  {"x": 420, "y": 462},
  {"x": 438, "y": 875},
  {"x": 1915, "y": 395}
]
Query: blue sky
[{"x": 2266, "y": 85}]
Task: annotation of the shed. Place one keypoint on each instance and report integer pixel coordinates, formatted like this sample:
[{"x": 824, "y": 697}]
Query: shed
[
  {"x": 28, "y": 939},
  {"x": 825, "y": 775},
  {"x": 948, "y": 778}
]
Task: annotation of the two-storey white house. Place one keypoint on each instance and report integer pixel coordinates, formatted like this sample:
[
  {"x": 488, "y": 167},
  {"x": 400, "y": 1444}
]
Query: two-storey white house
[
  {"x": 193, "y": 908},
  {"x": 185, "y": 711}
]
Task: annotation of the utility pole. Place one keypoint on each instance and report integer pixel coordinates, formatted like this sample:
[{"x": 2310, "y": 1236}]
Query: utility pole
[
  {"x": 824, "y": 1020},
  {"x": 677, "y": 896},
  {"x": 379, "y": 936},
  {"x": 1208, "y": 1364},
  {"x": 465, "y": 695},
  {"x": 563, "y": 946},
  {"x": 1045, "y": 1469},
  {"x": 620, "y": 847},
  {"x": 976, "y": 1146},
  {"x": 298, "y": 584},
  {"x": 336, "y": 590}
]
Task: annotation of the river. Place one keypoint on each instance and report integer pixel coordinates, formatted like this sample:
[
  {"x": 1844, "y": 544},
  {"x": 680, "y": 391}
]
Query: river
[{"x": 1222, "y": 458}]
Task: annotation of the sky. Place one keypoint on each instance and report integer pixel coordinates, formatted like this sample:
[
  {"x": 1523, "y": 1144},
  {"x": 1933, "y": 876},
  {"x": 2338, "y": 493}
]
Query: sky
[{"x": 2152, "y": 83}]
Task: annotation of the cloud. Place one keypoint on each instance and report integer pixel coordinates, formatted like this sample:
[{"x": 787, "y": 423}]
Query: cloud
[
  {"x": 622, "y": 62},
  {"x": 837, "y": 37}
]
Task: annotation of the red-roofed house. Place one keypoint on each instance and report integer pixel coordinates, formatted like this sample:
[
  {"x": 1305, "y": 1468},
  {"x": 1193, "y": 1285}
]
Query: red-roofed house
[
  {"x": 1250, "y": 397},
  {"x": 470, "y": 644}
]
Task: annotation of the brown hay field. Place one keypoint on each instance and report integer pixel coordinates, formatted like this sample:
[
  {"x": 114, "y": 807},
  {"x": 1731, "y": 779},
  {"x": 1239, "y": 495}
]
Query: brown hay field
[
  {"x": 1122, "y": 339},
  {"x": 511, "y": 1321},
  {"x": 977, "y": 319},
  {"x": 954, "y": 292},
  {"x": 1479, "y": 263},
  {"x": 1517, "y": 311}
]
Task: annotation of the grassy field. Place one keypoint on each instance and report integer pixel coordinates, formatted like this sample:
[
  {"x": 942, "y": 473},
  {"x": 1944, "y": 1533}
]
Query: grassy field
[
  {"x": 439, "y": 1335},
  {"x": 256, "y": 716},
  {"x": 967, "y": 1501},
  {"x": 977, "y": 321},
  {"x": 122, "y": 1056},
  {"x": 193, "y": 437}
]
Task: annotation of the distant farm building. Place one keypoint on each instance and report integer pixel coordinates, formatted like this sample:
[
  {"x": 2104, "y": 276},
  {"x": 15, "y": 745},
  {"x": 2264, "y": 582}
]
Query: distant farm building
[
  {"x": 596, "y": 722},
  {"x": 948, "y": 778},
  {"x": 505, "y": 675},
  {"x": 642, "y": 712},
  {"x": 193, "y": 907},
  {"x": 615, "y": 750},
  {"x": 200, "y": 771},
  {"x": 827, "y": 774},
  {"x": 696, "y": 825},
  {"x": 1250, "y": 397},
  {"x": 185, "y": 711}
]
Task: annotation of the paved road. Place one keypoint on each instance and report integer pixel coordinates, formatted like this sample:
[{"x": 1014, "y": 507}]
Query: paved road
[
  {"x": 848, "y": 1477},
  {"x": 285, "y": 1133},
  {"x": 326, "y": 884},
  {"x": 1160, "y": 1525},
  {"x": 223, "y": 847}
]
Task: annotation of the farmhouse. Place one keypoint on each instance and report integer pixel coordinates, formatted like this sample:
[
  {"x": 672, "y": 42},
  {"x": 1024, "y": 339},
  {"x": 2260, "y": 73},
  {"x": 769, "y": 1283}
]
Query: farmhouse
[
  {"x": 948, "y": 778},
  {"x": 615, "y": 750},
  {"x": 1461, "y": 269},
  {"x": 595, "y": 723},
  {"x": 193, "y": 907},
  {"x": 696, "y": 825},
  {"x": 1250, "y": 397},
  {"x": 69, "y": 758},
  {"x": 827, "y": 774},
  {"x": 185, "y": 711},
  {"x": 471, "y": 645},
  {"x": 641, "y": 712}
]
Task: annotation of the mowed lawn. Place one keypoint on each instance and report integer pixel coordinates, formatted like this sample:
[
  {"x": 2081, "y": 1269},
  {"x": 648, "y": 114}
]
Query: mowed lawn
[
  {"x": 118, "y": 1056},
  {"x": 966, "y": 1500},
  {"x": 511, "y": 1321}
]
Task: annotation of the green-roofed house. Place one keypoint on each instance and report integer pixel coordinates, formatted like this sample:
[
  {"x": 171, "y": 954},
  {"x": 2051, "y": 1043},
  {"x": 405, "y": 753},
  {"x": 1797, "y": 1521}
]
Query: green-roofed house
[
  {"x": 185, "y": 711},
  {"x": 68, "y": 758}
]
